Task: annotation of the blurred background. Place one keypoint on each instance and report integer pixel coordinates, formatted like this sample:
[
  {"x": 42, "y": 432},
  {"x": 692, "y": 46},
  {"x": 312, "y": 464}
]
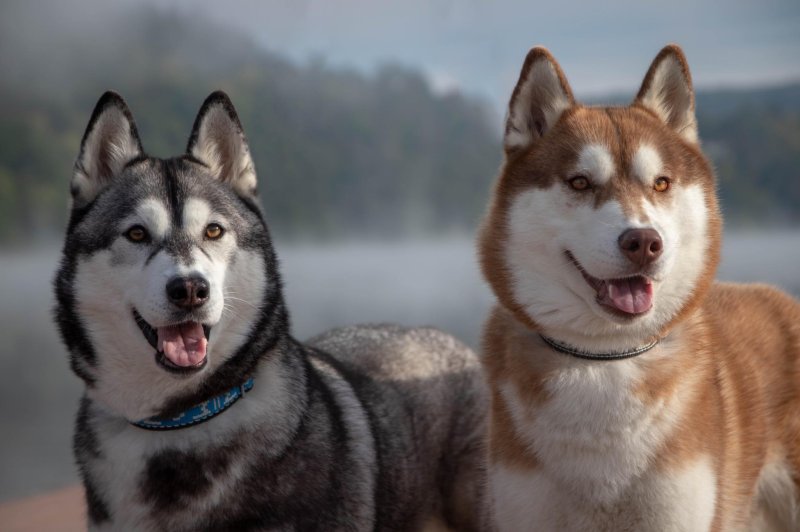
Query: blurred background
[{"x": 375, "y": 128}]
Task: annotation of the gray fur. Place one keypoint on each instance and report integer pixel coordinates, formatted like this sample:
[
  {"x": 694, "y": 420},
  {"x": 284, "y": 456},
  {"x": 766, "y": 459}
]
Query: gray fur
[
  {"x": 362, "y": 428},
  {"x": 429, "y": 395}
]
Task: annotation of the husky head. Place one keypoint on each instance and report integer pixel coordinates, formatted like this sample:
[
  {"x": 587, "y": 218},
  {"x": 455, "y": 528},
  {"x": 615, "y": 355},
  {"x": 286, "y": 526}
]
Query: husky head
[
  {"x": 604, "y": 227},
  {"x": 168, "y": 288}
]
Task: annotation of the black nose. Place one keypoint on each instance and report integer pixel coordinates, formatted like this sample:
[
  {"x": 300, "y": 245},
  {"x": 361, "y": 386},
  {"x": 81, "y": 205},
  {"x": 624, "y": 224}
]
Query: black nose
[
  {"x": 641, "y": 246},
  {"x": 187, "y": 292}
]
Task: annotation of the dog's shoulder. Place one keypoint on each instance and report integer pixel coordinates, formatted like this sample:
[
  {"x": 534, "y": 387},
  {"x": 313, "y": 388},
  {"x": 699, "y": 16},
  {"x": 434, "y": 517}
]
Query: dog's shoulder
[
  {"x": 741, "y": 297},
  {"x": 754, "y": 313}
]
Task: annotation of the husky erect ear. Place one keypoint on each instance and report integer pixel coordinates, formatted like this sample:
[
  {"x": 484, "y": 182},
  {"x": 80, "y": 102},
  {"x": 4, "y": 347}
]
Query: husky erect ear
[
  {"x": 218, "y": 141},
  {"x": 109, "y": 143},
  {"x": 541, "y": 95},
  {"x": 667, "y": 90}
]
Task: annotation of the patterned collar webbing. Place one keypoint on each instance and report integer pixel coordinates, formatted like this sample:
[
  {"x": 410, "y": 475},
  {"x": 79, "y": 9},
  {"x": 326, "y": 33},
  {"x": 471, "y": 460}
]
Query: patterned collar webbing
[{"x": 198, "y": 413}]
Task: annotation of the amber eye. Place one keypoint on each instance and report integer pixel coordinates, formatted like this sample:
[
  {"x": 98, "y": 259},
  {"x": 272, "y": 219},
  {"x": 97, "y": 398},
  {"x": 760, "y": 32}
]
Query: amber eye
[
  {"x": 661, "y": 184},
  {"x": 213, "y": 231},
  {"x": 579, "y": 183},
  {"x": 136, "y": 234}
]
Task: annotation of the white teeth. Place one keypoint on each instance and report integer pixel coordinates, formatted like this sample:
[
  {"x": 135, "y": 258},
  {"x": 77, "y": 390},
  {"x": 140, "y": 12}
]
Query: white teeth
[{"x": 612, "y": 290}]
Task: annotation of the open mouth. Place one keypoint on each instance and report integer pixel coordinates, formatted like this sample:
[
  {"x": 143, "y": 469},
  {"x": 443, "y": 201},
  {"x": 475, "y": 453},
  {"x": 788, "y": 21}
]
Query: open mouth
[
  {"x": 180, "y": 348},
  {"x": 626, "y": 296}
]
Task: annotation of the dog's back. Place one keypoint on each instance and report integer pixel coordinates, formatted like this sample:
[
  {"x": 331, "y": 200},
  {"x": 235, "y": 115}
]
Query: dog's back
[{"x": 409, "y": 381}]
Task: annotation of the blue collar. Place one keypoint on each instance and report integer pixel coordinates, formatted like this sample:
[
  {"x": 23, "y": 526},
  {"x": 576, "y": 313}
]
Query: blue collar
[{"x": 198, "y": 413}]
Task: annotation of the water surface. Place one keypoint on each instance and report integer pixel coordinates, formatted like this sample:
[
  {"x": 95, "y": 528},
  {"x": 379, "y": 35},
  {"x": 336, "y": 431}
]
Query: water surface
[{"x": 433, "y": 282}]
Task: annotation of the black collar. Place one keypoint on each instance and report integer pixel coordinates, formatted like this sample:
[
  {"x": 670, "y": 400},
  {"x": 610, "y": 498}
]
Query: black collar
[{"x": 616, "y": 355}]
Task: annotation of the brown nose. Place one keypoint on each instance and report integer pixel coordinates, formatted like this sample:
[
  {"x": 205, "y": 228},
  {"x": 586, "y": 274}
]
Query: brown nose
[
  {"x": 641, "y": 246},
  {"x": 187, "y": 292}
]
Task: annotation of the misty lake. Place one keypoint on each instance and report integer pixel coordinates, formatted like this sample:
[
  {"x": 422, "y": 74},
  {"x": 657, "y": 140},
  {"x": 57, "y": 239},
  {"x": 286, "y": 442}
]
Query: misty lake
[{"x": 429, "y": 282}]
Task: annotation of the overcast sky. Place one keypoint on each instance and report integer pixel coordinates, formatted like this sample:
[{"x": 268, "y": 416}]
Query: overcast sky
[{"x": 478, "y": 46}]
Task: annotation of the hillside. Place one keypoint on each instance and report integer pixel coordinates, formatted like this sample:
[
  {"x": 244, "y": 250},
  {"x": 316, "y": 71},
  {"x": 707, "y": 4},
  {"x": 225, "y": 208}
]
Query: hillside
[
  {"x": 753, "y": 138},
  {"x": 339, "y": 153}
]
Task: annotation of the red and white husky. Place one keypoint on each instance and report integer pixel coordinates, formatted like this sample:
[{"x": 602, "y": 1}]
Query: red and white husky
[{"x": 630, "y": 391}]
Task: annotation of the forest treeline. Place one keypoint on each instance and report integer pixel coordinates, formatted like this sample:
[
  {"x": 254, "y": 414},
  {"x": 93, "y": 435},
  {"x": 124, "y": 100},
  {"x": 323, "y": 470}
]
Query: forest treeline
[{"x": 339, "y": 153}]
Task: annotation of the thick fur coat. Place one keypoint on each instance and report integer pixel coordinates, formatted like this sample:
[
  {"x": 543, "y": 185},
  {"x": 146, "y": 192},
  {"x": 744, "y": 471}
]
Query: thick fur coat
[
  {"x": 602, "y": 238},
  {"x": 169, "y": 296}
]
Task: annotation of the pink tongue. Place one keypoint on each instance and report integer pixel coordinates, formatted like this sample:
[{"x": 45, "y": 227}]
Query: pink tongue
[
  {"x": 184, "y": 345},
  {"x": 633, "y": 296}
]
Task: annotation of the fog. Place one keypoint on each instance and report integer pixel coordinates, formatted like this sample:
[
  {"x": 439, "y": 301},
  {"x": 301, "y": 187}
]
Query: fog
[
  {"x": 429, "y": 282},
  {"x": 294, "y": 70},
  {"x": 471, "y": 46}
]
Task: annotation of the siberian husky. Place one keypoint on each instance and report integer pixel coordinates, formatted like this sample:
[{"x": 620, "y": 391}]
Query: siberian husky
[
  {"x": 629, "y": 392},
  {"x": 201, "y": 412}
]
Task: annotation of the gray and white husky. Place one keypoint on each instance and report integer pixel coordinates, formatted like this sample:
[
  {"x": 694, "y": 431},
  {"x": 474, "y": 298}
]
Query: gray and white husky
[{"x": 201, "y": 412}]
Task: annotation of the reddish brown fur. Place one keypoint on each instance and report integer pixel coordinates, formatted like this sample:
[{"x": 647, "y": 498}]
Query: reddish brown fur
[
  {"x": 742, "y": 349},
  {"x": 537, "y": 54},
  {"x": 739, "y": 346},
  {"x": 553, "y": 157}
]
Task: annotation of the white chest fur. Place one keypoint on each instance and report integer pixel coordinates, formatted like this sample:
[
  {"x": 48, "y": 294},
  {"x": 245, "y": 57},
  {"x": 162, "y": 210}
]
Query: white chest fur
[
  {"x": 594, "y": 440},
  {"x": 121, "y": 470},
  {"x": 681, "y": 500},
  {"x": 125, "y": 450}
]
